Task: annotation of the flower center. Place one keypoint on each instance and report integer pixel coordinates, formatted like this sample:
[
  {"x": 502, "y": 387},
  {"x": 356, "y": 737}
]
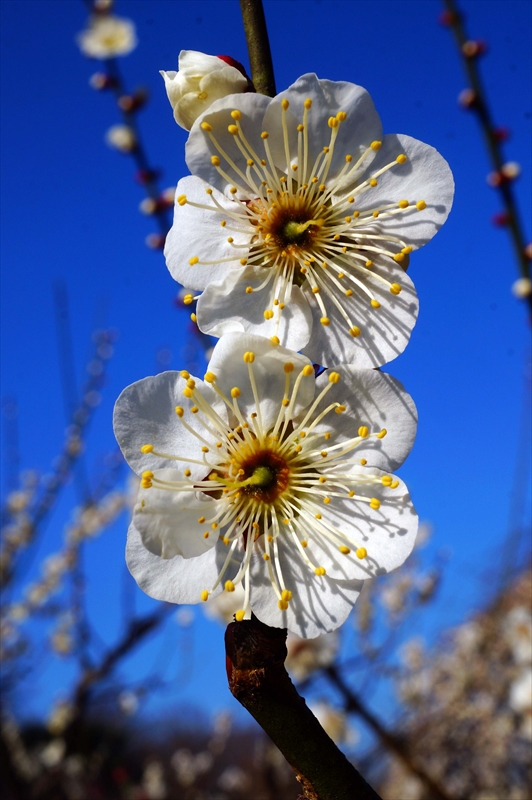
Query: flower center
[{"x": 267, "y": 476}]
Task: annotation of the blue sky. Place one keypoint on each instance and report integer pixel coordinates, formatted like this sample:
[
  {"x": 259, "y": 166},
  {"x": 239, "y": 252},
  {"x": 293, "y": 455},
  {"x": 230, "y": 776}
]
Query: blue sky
[{"x": 70, "y": 211}]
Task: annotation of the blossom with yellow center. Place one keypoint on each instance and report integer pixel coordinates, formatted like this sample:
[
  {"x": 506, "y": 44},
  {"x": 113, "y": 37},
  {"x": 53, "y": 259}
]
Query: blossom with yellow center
[
  {"x": 299, "y": 219},
  {"x": 107, "y": 36},
  {"x": 264, "y": 476}
]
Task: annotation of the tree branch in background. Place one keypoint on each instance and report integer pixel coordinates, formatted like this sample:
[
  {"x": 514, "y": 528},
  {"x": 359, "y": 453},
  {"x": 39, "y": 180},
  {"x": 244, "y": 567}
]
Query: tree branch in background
[
  {"x": 474, "y": 98},
  {"x": 390, "y": 740},
  {"x": 258, "y": 680},
  {"x": 260, "y": 57}
]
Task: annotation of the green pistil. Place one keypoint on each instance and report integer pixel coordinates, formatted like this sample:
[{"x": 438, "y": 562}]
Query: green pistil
[{"x": 262, "y": 477}]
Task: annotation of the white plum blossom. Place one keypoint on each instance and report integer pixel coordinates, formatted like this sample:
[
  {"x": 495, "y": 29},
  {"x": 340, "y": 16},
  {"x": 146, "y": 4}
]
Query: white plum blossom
[
  {"x": 200, "y": 80},
  {"x": 265, "y": 476},
  {"x": 299, "y": 218},
  {"x": 107, "y": 36}
]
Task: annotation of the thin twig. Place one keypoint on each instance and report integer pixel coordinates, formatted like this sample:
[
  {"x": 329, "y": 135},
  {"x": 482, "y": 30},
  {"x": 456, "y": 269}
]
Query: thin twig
[
  {"x": 260, "y": 57},
  {"x": 258, "y": 680}
]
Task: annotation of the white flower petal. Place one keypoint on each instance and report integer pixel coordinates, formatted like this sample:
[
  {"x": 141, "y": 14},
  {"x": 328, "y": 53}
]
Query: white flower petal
[
  {"x": 375, "y": 400},
  {"x": 200, "y": 148},
  {"x": 388, "y": 533},
  {"x": 426, "y": 175},
  {"x": 176, "y": 580},
  {"x": 145, "y": 414},
  {"x": 168, "y": 521},
  {"x": 318, "y": 604},
  {"x": 384, "y": 331},
  {"x": 225, "y": 306},
  {"x": 268, "y": 373},
  {"x": 356, "y": 133},
  {"x": 198, "y": 234}
]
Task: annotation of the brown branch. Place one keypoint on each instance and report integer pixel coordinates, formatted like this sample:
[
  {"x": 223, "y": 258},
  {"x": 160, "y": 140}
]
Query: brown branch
[
  {"x": 391, "y": 741},
  {"x": 260, "y": 57},
  {"x": 258, "y": 680},
  {"x": 479, "y": 105}
]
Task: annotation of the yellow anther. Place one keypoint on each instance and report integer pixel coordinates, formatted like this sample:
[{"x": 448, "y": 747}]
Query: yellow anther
[
  {"x": 382, "y": 434},
  {"x": 193, "y": 260},
  {"x": 282, "y": 605},
  {"x": 146, "y": 448},
  {"x": 399, "y": 257},
  {"x": 250, "y": 162},
  {"x": 341, "y": 116},
  {"x": 322, "y": 479},
  {"x": 239, "y": 616},
  {"x": 214, "y": 526},
  {"x": 204, "y": 449},
  {"x": 324, "y": 453},
  {"x": 248, "y": 357},
  {"x": 188, "y": 392},
  {"x": 363, "y": 431},
  {"x": 369, "y": 264},
  {"x": 322, "y": 187},
  {"x": 229, "y": 586},
  {"x": 236, "y": 114},
  {"x": 193, "y": 317},
  {"x": 235, "y": 392},
  {"x": 386, "y": 480},
  {"x": 361, "y": 552},
  {"x": 308, "y": 370},
  {"x": 206, "y": 535},
  {"x": 316, "y": 289},
  {"x": 191, "y": 383},
  {"x": 407, "y": 250},
  {"x": 308, "y": 103},
  {"x": 300, "y": 128},
  {"x": 294, "y": 167},
  {"x": 327, "y": 435},
  {"x": 284, "y": 103},
  {"x": 298, "y": 448},
  {"x": 326, "y": 500},
  {"x": 201, "y": 520},
  {"x": 204, "y": 595},
  {"x": 233, "y": 190},
  {"x": 376, "y": 146},
  {"x": 179, "y": 410},
  {"x": 395, "y": 288},
  {"x": 206, "y": 127},
  {"x": 147, "y": 474},
  {"x": 264, "y": 135},
  {"x": 187, "y": 473},
  {"x": 243, "y": 261},
  {"x": 226, "y": 541},
  {"x": 352, "y": 200},
  {"x": 334, "y": 377},
  {"x": 344, "y": 550},
  {"x": 210, "y": 377},
  {"x": 215, "y": 161},
  {"x": 325, "y": 321},
  {"x": 403, "y": 204},
  {"x": 275, "y": 340},
  {"x": 394, "y": 485},
  {"x": 285, "y": 402},
  {"x": 288, "y": 367},
  {"x": 375, "y": 303},
  {"x": 182, "y": 199},
  {"x": 339, "y": 409},
  {"x": 374, "y": 503},
  {"x": 188, "y": 299},
  {"x": 194, "y": 410},
  {"x": 348, "y": 292},
  {"x": 363, "y": 461},
  {"x": 354, "y": 331},
  {"x": 351, "y": 493},
  {"x": 270, "y": 538},
  {"x": 320, "y": 571},
  {"x": 146, "y": 484},
  {"x": 421, "y": 205},
  {"x": 208, "y": 190},
  {"x": 266, "y": 557},
  {"x": 332, "y": 122},
  {"x": 375, "y": 214},
  {"x": 230, "y": 240},
  {"x": 373, "y": 182},
  {"x": 318, "y": 516},
  {"x": 268, "y": 314},
  {"x": 401, "y": 159},
  {"x": 233, "y": 129},
  {"x": 184, "y": 374}
]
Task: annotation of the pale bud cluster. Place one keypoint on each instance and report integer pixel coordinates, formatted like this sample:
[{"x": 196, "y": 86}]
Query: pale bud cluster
[{"x": 107, "y": 36}]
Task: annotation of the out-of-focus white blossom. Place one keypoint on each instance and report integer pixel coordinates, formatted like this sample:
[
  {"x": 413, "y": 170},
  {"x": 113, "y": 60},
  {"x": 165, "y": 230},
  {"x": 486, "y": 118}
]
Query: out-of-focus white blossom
[
  {"x": 200, "y": 80},
  {"x": 518, "y": 631},
  {"x": 107, "y": 36},
  {"x": 122, "y": 138},
  {"x": 521, "y": 692},
  {"x": 305, "y": 656},
  {"x": 53, "y": 753},
  {"x": 128, "y": 703},
  {"x": 335, "y": 723},
  {"x": 61, "y": 714},
  {"x": 522, "y": 288},
  {"x": 153, "y": 781}
]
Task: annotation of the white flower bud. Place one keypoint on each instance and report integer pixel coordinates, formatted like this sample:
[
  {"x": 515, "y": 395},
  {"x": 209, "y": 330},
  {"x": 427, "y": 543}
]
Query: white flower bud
[
  {"x": 122, "y": 138},
  {"x": 200, "y": 81}
]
